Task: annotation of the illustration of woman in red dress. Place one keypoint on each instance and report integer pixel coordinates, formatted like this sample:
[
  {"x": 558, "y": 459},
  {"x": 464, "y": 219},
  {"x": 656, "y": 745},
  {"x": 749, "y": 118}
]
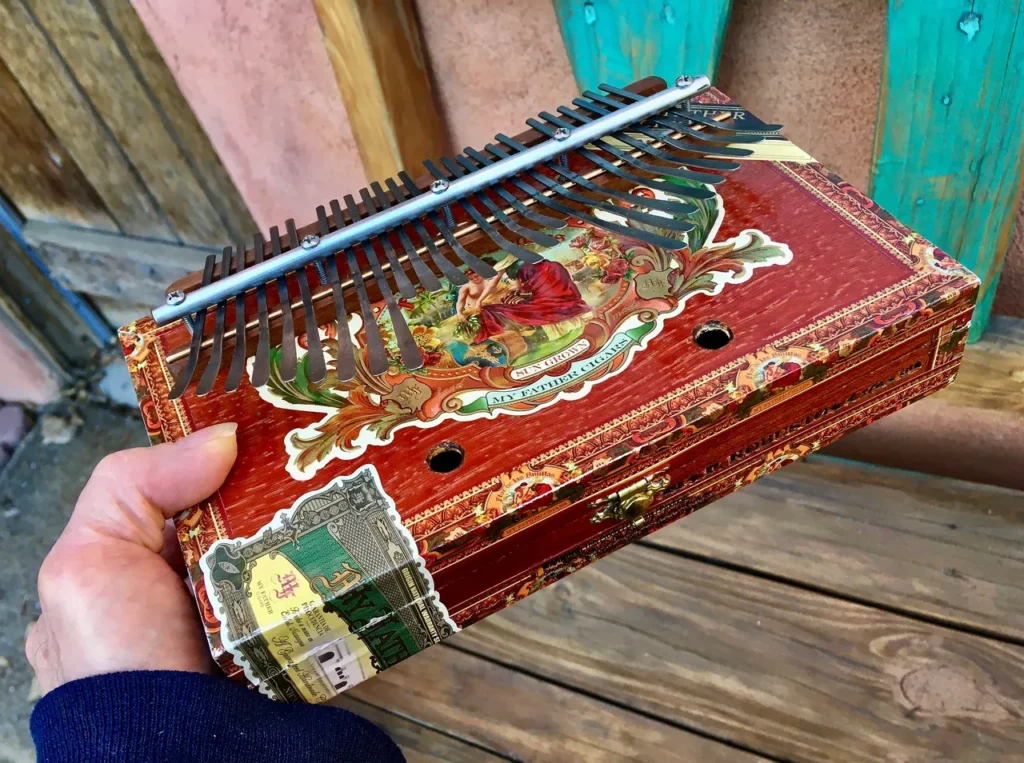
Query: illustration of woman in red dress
[{"x": 542, "y": 294}]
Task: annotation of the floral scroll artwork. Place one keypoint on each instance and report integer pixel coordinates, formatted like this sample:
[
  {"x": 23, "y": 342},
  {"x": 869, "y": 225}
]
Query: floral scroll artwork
[{"x": 516, "y": 343}]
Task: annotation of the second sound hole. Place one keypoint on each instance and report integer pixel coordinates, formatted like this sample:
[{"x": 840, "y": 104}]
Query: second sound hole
[
  {"x": 445, "y": 457},
  {"x": 713, "y": 335}
]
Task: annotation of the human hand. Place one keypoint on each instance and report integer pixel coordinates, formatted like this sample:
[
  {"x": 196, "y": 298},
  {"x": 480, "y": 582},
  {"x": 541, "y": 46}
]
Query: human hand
[{"x": 112, "y": 590}]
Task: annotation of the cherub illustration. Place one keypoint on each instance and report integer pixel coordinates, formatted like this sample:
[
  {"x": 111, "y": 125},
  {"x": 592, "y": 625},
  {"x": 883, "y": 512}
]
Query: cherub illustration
[{"x": 472, "y": 294}]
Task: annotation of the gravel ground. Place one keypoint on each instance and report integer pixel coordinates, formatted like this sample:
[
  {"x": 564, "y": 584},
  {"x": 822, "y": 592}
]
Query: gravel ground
[{"x": 39, "y": 484}]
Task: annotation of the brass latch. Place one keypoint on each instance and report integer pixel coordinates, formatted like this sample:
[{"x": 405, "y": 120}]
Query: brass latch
[{"x": 632, "y": 501}]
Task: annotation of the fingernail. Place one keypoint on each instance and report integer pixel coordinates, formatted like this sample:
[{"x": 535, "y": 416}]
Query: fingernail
[{"x": 216, "y": 432}]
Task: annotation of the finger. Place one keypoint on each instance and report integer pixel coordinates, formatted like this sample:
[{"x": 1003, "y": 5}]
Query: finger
[
  {"x": 132, "y": 493},
  {"x": 43, "y": 655},
  {"x": 171, "y": 551}
]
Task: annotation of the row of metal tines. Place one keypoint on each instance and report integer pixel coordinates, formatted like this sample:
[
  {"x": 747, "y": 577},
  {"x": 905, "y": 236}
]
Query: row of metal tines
[{"x": 646, "y": 147}]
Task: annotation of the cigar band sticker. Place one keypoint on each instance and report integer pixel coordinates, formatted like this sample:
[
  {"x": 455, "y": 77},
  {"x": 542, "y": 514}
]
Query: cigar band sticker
[{"x": 329, "y": 593}]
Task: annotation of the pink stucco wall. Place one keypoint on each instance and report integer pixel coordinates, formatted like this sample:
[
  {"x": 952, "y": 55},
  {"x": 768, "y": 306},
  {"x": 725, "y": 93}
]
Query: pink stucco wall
[
  {"x": 281, "y": 129},
  {"x": 257, "y": 76},
  {"x": 23, "y": 379},
  {"x": 495, "y": 64}
]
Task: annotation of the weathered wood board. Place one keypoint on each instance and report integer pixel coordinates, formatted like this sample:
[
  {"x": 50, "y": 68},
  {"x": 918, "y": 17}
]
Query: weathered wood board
[
  {"x": 949, "y": 143},
  {"x": 525, "y": 718},
  {"x": 618, "y": 41},
  {"x": 992, "y": 373},
  {"x": 95, "y": 89},
  {"x": 377, "y": 53},
  {"x": 794, "y": 674},
  {"x": 923, "y": 545},
  {"x": 37, "y": 175}
]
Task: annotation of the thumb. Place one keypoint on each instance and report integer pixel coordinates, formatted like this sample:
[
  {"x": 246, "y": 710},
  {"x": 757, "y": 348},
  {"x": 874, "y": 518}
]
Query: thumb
[{"x": 132, "y": 493}]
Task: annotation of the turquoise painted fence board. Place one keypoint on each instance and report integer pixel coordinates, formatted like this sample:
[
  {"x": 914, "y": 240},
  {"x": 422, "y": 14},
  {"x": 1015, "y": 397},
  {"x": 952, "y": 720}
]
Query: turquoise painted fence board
[
  {"x": 949, "y": 145},
  {"x": 620, "y": 41}
]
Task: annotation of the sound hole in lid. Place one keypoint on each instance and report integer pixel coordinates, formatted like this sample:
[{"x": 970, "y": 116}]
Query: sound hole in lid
[
  {"x": 713, "y": 335},
  {"x": 445, "y": 457}
]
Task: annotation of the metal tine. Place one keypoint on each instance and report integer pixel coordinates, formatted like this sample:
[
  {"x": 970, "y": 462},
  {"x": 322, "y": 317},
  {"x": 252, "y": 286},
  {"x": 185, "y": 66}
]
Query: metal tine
[
  {"x": 625, "y": 156},
  {"x": 452, "y": 273},
  {"x": 199, "y": 319},
  {"x": 629, "y": 95},
  {"x": 261, "y": 365},
  {"x": 675, "y": 170},
  {"x": 289, "y": 362},
  {"x": 719, "y": 147},
  {"x": 423, "y": 273},
  {"x": 705, "y": 136},
  {"x": 537, "y": 237},
  {"x": 673, "y": 189},
  {"x": 631, "y": 213},
  {"x": 699, "y": 119},
  {"x": 377, "y": 356},
  {"x": 238, "y": 356},
  {"x": 314, "y": 352},
  {"x": 664, "y": 205},
  {"x": 477, "y": 265},
  {"x": 689, "y": 161},
  {"x": 686, "y": 129},
  {"x": 512, "y": 201},
  {"x": 538, "y": 195},
  {"x": 402, "y": 281},
  {"x": 411, "y": 356},
  {"x": 724, "y": 126},
  {"x": 650, "y": 132},
  {"x": 209, "y": 376},
  {"x": 346, "y": 369},
  {"x": 524, "y": 255}
]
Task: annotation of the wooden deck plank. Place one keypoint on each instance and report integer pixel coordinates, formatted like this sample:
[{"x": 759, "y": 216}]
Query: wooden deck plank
[
  {"x": 419, "y": 743},
  {"x": 949, "y": 150},
  {"x": 53, "y": 91},
  {"x": 109, "y": 79},
  {"x": 992, "y": 373},
  {"x": 941, "y": 548},
  {"x": 787, "y": 672},
  {"x": 524, "y": 718},
  {"x": 620, "y": 41}
]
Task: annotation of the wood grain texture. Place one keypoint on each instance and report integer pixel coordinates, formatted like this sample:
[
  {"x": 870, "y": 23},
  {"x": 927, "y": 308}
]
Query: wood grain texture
[
  {"x": 57, "y": 331},
  {"x": 38, "y": 176},
  {"x": 419, "y": 743},
  {"x": 110, "y": 80},
  {"x": 992, "y": 373},
  {"x": 183, "y": 125},
  {"x": 618, "y": 41},
  {"x": 117, "y": 312},
  {"x": 85, "y": 261},
  {"x": 930, "y": 546},
  {"x": 377, "y": 54},
  {"x": 790, "y": 673},
  {"x": 44, "y": 76},
  {"x": 949, "y": 148},
  {"x": 524, "y": 718}
]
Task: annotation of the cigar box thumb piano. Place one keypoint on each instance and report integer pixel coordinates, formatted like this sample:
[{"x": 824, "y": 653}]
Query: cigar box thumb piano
[{"x": 453, "y": 390}]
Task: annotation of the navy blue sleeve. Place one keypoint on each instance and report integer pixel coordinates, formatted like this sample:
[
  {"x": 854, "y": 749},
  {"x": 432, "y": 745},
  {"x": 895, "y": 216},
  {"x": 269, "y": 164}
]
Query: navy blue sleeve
[{"x": 174, "y": 716}]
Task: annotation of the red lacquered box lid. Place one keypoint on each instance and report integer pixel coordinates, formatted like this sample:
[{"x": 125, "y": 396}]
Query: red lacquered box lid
[{"x": 553, "y": 371}]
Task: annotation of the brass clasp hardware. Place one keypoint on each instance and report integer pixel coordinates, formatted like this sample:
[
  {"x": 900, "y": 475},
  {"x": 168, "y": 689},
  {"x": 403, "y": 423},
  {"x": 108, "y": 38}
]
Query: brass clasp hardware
[{"x": 632, "y": 501}]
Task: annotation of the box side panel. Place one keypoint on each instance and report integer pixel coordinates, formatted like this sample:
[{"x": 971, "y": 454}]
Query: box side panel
[{"x": 688, "y": 476}]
